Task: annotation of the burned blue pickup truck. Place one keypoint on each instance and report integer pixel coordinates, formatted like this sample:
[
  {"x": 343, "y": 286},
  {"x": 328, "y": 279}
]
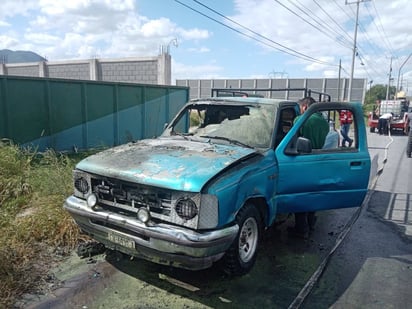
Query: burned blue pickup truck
[{"x": 222, "y": 172}]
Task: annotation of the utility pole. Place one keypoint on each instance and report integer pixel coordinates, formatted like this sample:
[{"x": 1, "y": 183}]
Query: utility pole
[
  {"x": 354, "y": 45},
  {"x": 399, "y": 73},
  {"x": 389, "y": 80},
  {"x": 340, "y": 67}
]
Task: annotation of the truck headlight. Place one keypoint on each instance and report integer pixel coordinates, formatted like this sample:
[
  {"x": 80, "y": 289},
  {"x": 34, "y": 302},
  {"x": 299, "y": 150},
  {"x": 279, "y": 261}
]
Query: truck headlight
[
  {"x": 186, "y": 208},
  {"x": 81, "y": 184},
  {"x": 92, "y": 200},
  {"x": 143, "y": 215}
]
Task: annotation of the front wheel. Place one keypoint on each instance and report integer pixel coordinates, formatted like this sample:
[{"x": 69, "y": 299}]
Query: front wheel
[{"x": 241, "y": 256}]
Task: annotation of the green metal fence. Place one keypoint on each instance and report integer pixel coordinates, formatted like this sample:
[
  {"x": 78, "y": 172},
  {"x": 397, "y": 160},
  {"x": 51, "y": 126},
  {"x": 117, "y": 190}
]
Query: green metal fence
[{"x": 70, "y": 114}]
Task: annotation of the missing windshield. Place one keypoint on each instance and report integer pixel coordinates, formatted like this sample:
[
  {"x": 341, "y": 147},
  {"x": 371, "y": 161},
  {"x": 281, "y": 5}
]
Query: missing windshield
[{"x": 249, "y": 125}]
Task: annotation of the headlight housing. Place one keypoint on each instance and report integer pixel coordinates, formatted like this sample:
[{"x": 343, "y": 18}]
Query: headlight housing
[
  {"x": 186, "y": 208},
  {"x": 82, "y": 184},
  {"x": 195, "y": 210}
]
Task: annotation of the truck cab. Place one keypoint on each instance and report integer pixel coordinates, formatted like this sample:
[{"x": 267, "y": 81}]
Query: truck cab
[{"x": 222, "y": 172}]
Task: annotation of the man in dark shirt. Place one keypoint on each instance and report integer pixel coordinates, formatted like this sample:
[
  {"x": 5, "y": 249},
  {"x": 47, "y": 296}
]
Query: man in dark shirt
[{"x": 409, "y": 144}]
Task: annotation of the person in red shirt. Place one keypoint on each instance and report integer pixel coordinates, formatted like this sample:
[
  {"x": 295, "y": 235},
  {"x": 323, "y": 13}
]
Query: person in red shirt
[{"x": 345, "y": 118}]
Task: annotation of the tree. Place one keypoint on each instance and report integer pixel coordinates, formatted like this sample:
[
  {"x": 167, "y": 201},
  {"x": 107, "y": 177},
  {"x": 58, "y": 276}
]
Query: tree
[{"x": 377, "y": 92}]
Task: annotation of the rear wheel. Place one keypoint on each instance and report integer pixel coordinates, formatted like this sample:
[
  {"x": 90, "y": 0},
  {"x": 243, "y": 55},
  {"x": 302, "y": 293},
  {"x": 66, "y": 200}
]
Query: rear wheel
[{"x": 241, "y": 256}]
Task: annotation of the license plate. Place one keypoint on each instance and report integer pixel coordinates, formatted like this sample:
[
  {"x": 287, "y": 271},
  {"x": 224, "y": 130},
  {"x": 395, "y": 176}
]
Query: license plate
[{"x": 121, "y": 240}]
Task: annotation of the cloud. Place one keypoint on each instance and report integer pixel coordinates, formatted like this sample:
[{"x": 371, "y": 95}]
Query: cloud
[
  {"x": 329, "y": 74},
  {"x": 16, "y": 7},
  {"x": 81, "y": 28},
  {"x": 158, "y": 28},
  {"x": 203, "y": 71},
  {"x": 76, "y": 29},
  {"x": 7, "y": 42},
  {"x": 4, "y": 24},
  {"x": 193, "y": 34},
  {"x": 42, "y": 38},
  {"x": 198, "y": 50},
  {"x": 281, "y": 28}
]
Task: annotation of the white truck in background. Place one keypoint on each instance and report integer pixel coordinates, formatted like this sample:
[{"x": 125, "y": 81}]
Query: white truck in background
[{"x": 398, "y": 107}]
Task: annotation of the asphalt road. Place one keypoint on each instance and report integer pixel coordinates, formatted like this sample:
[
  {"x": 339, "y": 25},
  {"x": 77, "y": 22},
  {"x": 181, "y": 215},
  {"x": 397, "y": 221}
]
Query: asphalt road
[
  {"x": 356, "y": 258},
  {"x": 373, "y": 266}
]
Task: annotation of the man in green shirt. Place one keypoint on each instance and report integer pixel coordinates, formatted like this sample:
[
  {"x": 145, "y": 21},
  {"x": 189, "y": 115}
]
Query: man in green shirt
[{"x": 315, "y": 129}]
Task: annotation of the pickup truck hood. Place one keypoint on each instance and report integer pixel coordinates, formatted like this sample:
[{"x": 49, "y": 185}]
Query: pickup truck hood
[{"x": 166, "y": 162}]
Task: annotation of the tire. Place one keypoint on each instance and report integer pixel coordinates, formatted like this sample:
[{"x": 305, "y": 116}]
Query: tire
[
  {"x": 241, "y": 256},
  {"x": 372, "y": 129}
]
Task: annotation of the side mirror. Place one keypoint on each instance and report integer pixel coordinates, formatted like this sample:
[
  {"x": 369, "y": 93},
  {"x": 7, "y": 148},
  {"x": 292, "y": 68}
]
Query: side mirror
[{"x": 303, "y": 145}]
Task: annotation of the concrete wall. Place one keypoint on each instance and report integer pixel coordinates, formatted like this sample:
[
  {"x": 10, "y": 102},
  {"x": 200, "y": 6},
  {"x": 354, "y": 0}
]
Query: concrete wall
[
  {"x": 337, "y": 89},
  {"x": 147, "y": 70}
]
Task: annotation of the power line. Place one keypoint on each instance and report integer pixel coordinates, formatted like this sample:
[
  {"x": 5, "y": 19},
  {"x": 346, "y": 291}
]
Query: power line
[
  {"x": 286, "y": 49},
  {"x": 344, "y": 34},
  {"x": 259, "y": 35},
  {"x": 365, "y": 33},
  {"x": 383, "y": 30},
  {"x": 358, "y": 45},
  {"x": 354, "y": 44},
  {"x": 334, "y": 21},
  {"x": 310, "y": 23}
]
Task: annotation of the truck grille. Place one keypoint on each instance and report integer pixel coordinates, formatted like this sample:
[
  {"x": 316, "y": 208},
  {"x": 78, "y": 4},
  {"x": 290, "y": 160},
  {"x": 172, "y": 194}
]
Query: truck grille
[{"x": 127, "y": 198}]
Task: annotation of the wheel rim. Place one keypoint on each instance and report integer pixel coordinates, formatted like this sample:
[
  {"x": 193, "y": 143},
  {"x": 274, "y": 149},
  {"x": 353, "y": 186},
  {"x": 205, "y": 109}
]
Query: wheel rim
[{"x": 248, "y": 239}]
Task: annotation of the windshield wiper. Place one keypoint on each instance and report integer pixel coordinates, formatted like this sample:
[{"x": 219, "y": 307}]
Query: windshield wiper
[
  {"x": 232, "y": 141},
  {"x": 184, "y": 135}
]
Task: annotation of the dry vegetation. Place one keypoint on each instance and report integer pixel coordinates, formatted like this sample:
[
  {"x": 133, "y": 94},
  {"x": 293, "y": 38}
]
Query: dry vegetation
[{"x": 34, "y": 228}]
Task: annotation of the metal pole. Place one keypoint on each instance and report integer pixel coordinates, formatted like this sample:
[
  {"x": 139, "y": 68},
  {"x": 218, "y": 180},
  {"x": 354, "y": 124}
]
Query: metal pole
[
  {"x": 340, "y": 66},
  {"x": 353, "y": 52},
  {"x": 354, "y": 46},
  {"x": 389, "y": 81},
  {"x": 399, "y": 73}
]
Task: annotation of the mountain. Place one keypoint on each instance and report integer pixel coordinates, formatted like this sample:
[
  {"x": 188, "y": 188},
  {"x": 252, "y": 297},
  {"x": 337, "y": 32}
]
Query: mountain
[{"x": 19, "y": 56}]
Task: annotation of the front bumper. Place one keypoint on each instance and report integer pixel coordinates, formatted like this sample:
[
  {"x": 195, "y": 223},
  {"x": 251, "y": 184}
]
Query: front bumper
[{"x": 159, "y": 243}]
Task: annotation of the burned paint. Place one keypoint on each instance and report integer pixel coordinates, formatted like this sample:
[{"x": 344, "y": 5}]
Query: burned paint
[
  {"x": 165, "y": 162},
  {"x": 182, "y": 198}
]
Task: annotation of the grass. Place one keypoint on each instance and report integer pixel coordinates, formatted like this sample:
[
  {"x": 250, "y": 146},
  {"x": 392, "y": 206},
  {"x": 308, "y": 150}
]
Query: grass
[{"x": 34, "y": 228}]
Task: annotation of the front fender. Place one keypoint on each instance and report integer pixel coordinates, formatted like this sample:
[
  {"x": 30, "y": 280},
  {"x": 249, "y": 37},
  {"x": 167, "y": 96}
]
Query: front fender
[{"x": 252, "y": 179}]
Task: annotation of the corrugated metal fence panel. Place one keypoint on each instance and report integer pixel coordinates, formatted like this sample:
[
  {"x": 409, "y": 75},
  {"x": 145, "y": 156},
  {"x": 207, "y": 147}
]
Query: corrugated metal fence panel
[
  {"x": 72, "y": 114},
  {"x": 156, "y": 111},
  {"x": 100, "y": 112},
  {"x": 131, "y": 116},
  {"x": 66, "y": 101},
  {"x": 176, "y": 95}
]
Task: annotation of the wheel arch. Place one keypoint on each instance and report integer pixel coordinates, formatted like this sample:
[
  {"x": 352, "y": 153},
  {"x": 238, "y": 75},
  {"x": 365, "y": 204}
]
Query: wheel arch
[{"x": 262, "y": 207}]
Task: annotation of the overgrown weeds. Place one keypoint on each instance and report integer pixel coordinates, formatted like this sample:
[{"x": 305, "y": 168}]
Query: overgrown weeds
[{"x": 34, "y": 228}]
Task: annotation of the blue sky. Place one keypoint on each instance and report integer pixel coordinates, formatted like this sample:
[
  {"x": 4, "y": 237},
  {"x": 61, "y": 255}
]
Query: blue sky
[{"x": 224, "y": 38}]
